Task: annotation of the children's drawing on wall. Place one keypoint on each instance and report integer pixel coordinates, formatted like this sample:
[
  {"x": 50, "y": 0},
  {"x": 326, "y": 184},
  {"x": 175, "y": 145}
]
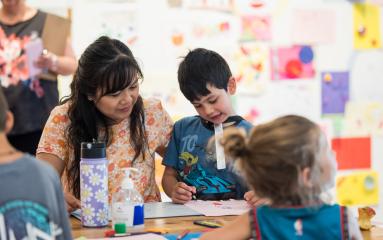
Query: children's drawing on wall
[
  {"x": 335, "y": 92},
  {"x": 313, "y": 26},
  {"x": 366, "y": 26},
  {"x": 364, "y": 118},
  {"x": 295, "y": 62},
  {"x": 256, "y": 28},
  {"x": 253, "y": 69}
]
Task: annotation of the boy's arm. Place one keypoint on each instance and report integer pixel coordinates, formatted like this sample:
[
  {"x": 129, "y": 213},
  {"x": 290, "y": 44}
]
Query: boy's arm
[{"x": 179, "y": 192}]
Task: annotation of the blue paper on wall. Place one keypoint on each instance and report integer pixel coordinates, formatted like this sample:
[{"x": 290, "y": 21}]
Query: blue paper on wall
[{"x": 335, "y": 92}]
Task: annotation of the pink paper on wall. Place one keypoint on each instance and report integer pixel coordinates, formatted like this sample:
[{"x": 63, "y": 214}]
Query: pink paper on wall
[
  {"x": 256, "y": 28},
  {"x": 313, "y": 26},
  {"x": 292, "y": 63}
]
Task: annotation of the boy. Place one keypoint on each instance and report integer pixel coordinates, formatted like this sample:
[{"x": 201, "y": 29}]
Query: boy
[
  {"x": 31, "y": 199},
  {"x": 191, "y": 170}
]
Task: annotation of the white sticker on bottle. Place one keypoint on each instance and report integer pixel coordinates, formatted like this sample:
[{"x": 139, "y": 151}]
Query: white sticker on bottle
[
  {"x": 220, "y": 154},
  {"x": 123, "y": 213}
]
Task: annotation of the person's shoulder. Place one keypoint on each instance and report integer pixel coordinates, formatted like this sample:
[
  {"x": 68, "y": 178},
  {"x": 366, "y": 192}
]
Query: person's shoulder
[
  {"x": 61, "y": 109},
  {"x": 245, "y": 124},
  {"x": 38, "y": 166},
  {"x": 186, "y": 121},
  {"x": 152, "y": 104}
]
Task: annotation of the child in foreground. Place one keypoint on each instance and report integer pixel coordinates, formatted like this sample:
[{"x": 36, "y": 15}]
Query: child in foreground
[
  {"x": 289, "y": 162},
  {"x": 32, "y": 203}
]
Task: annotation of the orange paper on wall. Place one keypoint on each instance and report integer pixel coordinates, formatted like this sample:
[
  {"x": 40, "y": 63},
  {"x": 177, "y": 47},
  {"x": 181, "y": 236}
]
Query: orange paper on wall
[{"x": 352, "y": 153}]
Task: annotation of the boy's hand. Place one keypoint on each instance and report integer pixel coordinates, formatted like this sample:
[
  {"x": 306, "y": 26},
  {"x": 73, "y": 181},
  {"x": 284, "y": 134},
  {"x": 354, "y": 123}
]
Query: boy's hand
[
  {"x": 253, "y": 200},
  {"x": 182, "y": 193}
]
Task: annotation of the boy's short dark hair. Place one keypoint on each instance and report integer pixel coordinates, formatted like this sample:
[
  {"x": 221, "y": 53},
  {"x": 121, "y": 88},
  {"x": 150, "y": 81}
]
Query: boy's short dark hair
[
  {"x": 3, "y": 110},
  {"x": 200, "y": 68}
]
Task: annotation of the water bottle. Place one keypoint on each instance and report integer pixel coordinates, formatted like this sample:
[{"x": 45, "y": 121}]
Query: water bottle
[
  {"x": 127, "y": 205},
  {"x": 94, "y": 184}
]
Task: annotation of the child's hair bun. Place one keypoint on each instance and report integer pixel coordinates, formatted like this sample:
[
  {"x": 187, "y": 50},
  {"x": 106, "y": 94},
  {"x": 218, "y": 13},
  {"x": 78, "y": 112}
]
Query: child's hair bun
[{"x": 234, "y": 142}]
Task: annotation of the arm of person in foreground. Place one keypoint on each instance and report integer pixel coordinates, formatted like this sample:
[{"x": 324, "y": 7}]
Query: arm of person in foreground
[
  {"x": 71, "y": 202},
  {"x": 237, "y": 229}
]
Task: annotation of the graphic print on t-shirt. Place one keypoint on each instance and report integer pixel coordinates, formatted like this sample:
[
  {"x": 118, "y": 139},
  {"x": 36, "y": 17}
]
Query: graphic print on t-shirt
[
  {"x": 26, "y": 220},
  {"x": 196, "y": 172}
]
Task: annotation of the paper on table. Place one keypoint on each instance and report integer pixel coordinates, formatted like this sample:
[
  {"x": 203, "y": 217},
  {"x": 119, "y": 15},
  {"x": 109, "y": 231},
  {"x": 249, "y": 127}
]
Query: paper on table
[
  {"x": 167, "y": 209},
  {"x": 219, "y": 208},
  {"x": 157, "y": 210}
]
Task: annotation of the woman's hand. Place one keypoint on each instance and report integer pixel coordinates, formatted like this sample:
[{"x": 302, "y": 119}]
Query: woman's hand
[{"x": 72, "y": 203}]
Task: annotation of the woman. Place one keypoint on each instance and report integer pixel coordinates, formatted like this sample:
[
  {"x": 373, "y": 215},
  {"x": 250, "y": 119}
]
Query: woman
[
  {"x": 30, "y": 99},
  {"x": 105, "y": 105}
]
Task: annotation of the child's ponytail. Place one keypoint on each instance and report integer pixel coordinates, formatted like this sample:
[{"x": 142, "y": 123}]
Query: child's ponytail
[{"x": 235, "y": 143}]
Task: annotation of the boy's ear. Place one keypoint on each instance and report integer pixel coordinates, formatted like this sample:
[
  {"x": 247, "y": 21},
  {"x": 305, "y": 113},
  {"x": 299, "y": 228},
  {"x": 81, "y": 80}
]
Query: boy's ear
[
  {"x": 9, "y": 121},
  {"x": 232, "y": 86}
]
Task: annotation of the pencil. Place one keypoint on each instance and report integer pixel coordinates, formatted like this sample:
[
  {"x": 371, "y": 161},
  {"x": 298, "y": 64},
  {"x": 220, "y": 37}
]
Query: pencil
[{"x": 182, "y": 235}]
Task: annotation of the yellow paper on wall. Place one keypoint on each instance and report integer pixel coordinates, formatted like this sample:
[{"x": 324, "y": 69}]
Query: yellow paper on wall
[
  {"x": 359, "y": 188},
  {"x": 366, "y": 26}
]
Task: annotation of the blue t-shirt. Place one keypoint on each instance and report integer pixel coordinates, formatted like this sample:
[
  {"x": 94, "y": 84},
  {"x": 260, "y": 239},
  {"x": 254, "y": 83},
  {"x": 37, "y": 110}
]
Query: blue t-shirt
[
  {"x": 196, "y": 165},
  {"x": 322, "y": 222}
]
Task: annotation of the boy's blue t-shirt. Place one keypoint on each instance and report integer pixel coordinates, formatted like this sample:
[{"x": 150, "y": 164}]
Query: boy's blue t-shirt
[{"x": 196, "y": 165}]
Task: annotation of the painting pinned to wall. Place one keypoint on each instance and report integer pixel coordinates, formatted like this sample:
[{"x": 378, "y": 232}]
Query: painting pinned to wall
[
  {"x": 295, "y": 62},
  {"x": 252, "y": 68},
  {"x": 364, "y": 186},
  {"x": 364, "y": 118},
  {"x": 211, "y": 5},
  {"x": 256, "y": 28},
  {"x": 335, "y": 92},
  {"x": 311, "y": 26},
  {"x": 366, "y": 26},
  {"x": 352, "y": 153}
]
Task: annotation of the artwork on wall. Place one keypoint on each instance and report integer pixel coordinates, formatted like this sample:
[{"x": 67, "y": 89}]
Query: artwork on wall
[
  {"x": 313, "y": 26},
  {"x": 335, "y": 91},
  {"x": 252, "y": 68},
  {"x": 352, "y": 153},
  {"x": 294, "y": 62},
  {"x": 366, "y": 26},
  {"x": 255, "y": 28},
  {"x": 364, "y": 186},
  {"x": 364, "y": 118}
]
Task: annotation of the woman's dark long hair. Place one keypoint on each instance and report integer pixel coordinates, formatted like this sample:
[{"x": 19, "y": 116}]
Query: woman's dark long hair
[{"x": 106, "y": 66}]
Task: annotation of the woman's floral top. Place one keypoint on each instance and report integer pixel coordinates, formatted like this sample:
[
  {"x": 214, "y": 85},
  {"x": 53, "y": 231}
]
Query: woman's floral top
[{"x": 119, "y": 152}]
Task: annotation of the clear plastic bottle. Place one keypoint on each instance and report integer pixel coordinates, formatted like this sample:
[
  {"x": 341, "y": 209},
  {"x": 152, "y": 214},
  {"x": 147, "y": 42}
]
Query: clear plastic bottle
[{"x": 128, "y": 204}]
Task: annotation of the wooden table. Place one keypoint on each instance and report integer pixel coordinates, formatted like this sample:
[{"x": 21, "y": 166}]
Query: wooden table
[
  {"x": 179, "y": 224},
  {"x": 173, "y": 225}
]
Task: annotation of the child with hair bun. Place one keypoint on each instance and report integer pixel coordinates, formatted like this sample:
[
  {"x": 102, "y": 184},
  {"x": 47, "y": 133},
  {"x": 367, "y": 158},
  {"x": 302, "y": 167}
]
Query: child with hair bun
[{"x": 289, "y": 162}]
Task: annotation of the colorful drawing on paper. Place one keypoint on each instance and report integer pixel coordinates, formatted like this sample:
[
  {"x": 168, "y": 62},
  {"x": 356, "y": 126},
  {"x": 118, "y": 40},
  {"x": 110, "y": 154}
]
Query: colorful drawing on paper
[
  {"x": 292, "y": 63},
  {"x": 219, "y": 208},
  {"x": 252, "y": 67},
  {"x": 335, "y": 92},
  {"x": 256, "y": 28},
  {"x": 352, "y": 153},
  {"x": 313, "y": 26},
  {"x": 364, "y": 118},
  {"x": 211, "y": 5},
  {"x": 358, "y": 188},
  {"x": 366, "y": 26}
]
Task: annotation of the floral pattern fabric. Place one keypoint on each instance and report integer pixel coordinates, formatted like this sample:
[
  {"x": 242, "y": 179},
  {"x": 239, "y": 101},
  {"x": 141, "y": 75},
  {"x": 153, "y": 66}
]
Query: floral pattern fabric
[{"x": 119, "y": 152}]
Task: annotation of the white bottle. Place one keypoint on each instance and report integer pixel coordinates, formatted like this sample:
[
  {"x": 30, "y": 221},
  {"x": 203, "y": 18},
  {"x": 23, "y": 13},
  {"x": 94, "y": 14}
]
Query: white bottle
[{"x": 128, "y": 204}]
